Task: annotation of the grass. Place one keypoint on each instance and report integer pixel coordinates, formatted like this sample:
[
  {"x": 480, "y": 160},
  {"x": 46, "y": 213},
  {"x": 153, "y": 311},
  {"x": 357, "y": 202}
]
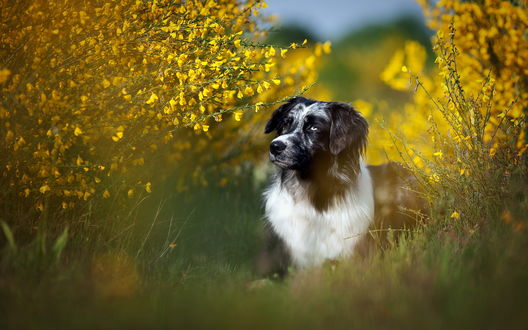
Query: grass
[{"x": 438, "y": 277}]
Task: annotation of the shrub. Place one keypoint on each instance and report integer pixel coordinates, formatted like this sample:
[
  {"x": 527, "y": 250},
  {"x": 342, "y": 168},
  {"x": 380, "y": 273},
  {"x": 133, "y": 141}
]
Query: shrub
[
  {"x": 464, "y": 131},
  {"x": 95, "y": 95}
]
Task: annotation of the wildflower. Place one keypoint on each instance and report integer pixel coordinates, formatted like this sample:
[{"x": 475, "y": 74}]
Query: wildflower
[
  {"x": 44, "y": 189},
  {"x": 327, "y": 47},
  {"x": 455, "y": 215},
  {"x": 4, "y": 75},
  {"x": 434, "y": 178},
  {"x": 492, "y": 152},
  {"x": 153, "y": 98}
]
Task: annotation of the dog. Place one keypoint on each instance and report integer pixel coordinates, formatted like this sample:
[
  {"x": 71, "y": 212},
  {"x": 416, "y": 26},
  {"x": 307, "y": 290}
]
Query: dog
[{"x": 323, "y": 197}]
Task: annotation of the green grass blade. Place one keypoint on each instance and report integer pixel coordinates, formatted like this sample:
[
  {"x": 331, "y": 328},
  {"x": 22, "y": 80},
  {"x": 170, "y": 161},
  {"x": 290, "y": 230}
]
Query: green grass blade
[
  {"x": 9, "y": 237},
  {"x": 60, "y": 244}
]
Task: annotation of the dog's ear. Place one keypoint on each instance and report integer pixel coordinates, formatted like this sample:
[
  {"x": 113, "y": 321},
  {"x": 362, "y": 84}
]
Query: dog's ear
[
  {"x": 348, "y": 129},
  {"x": 280, "y": 114}
]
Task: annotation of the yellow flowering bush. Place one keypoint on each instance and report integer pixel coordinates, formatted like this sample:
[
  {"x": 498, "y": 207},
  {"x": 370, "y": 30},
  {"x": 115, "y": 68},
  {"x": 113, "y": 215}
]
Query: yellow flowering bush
[
  {"x": 464, "y": 130},
  {"x": 229, "y": 148},
  {"x": 94, "y": 92},
  {"x": 491, "y": 55}
]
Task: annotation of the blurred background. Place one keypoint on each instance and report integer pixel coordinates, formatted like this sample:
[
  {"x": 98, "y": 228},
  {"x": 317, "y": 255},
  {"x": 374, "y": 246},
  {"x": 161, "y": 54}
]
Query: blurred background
[
  {"x": 364, "y": 36},
  {"x": 160, "y": 220},
  {"x": 335, "y": 19}
]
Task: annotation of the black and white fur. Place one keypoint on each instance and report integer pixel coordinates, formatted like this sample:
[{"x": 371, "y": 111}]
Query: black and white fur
[{"x": 321, "y": 201}]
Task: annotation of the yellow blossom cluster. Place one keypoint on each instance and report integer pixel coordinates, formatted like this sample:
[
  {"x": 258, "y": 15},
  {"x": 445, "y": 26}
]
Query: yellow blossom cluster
[
  {"x": 491, "y": 38},
  {"x": 91, "y": 92},
  {"x": 482, "y": 48},
  {"x": 464, "y": 131},
  {"x": 230, "y": 147}
]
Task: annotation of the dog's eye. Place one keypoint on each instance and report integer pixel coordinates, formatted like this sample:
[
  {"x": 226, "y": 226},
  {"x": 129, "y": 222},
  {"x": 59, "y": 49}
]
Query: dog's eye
[{"x": 312, "y": 128}]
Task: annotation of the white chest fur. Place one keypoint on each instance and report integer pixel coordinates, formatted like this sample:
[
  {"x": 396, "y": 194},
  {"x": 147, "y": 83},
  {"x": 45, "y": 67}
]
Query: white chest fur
[{"x": 313, "y": 236}]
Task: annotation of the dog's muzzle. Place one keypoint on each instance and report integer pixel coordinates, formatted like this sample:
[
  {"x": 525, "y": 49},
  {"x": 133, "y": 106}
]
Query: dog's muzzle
[
  {"x": 277, "y": 147},
  {"x": 278, "y": 154}
]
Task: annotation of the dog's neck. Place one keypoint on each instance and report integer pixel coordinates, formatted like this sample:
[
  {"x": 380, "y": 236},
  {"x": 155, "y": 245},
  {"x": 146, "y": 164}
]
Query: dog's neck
[{"x": 327, "y": 180}]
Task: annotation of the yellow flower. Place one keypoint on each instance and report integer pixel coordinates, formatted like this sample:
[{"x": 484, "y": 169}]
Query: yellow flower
[
  {"x": 118, "y": 136},
  {"x": 148, "y": 187},
  {"x": 434, "y": 178},
  {"x": 153, "y": 98},
  {"x": 4, "y": 75},
  {"x": 327, "y": 47},
  {"x": 44, "y": 189},
  {"x": 248, "y": 90},
  {"x": 492, "y": 152},
  {"x": 257, "y": 106},
  {"x": 455, "y": 215}
]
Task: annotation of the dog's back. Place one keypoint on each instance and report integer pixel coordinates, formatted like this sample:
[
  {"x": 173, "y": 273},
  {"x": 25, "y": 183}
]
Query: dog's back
[{"x": 396, "y": 198}]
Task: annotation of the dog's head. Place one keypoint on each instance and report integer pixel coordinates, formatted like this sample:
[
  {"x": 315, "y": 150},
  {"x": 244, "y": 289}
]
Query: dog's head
[{"x": 309, "y": 130}]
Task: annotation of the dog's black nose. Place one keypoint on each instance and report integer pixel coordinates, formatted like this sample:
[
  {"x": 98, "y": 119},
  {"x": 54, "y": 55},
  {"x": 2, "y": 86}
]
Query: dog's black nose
[{"x": 276, "y": 147}]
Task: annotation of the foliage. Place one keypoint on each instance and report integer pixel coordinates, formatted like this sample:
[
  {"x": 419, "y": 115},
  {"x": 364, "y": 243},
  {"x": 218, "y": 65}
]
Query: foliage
[
  {"x": 487, "y": 47},
  {"x": 463, "y": 134},
  {"x": 95, "y": 95}
]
